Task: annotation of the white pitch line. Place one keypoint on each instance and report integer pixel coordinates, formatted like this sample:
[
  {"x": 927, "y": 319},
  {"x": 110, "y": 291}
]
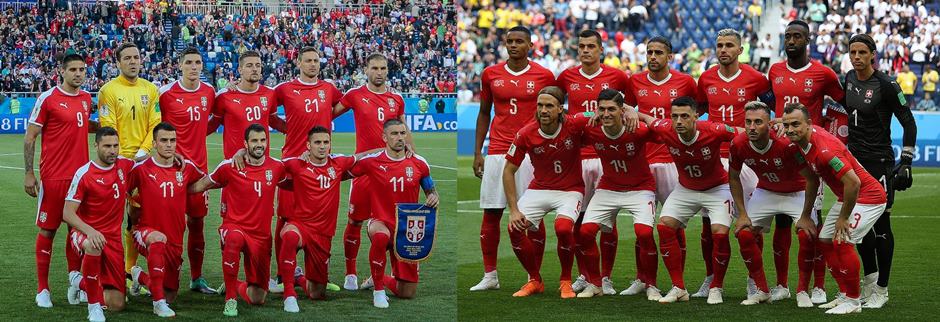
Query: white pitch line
[
  {"x": 10, "y": 154},
  {"x": 467, "y": 202},
  {"x": 443, "y": 167}
]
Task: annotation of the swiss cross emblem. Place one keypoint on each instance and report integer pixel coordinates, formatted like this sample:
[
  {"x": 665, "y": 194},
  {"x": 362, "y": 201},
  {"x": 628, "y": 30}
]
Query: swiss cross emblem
[
  {"x": 741, "y": 91},
  {"x": 869, "y": 93},
  {"x": 599, "y": 146},
  {"x": 712, "y": 90},
  {"x": 539, "y": 150},
  {"x": 673, "y": 92},
  {"x": 808, "y": 82},
  {"x": 630, "y": 147},
  {"x": 778, "y": 80},
  {"x": 778, "y": 162},
  {"x": 499, "y": 83},
  {"x": 574, "y": 86},
  {"x": 673, "y": 151},
  {"x": 642, "y": 92},
  {"x": 569, "y": 144},
  {"x": 605, "y": 86},
  {"x": 749, "y": 162},
  {"x": 530, "y": 84}
]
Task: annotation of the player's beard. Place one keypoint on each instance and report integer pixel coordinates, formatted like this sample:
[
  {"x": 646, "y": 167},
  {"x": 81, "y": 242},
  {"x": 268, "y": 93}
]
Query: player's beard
[{"x": 256, "y": 153}]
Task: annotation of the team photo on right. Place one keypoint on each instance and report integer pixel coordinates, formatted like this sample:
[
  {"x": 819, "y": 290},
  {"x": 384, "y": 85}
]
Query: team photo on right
[{"x": 754, "y": 152}]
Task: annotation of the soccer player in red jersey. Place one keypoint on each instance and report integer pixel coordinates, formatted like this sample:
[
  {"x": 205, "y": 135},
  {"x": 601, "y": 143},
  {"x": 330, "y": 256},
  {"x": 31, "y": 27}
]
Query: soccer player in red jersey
[
  {"x": 395, "y": 178},
  {"x": 249, "y": 102},
  {"x": 780, "y": 190},
  {"x": 724, "y": 89},
  {"x": 511, "y": 89},
  {"x": 308, "y": 102},
  {"x": 861, "y": 201},
  {"x": 315, "y": 176},
  {"x": 246, "y": 218},
  {"x": 186, "y": 105},
  {"x": 553, "y": 144},
  {"x": 94, "y": 208},
  {"x": 703, "y": 185},
  {"x": 583, "y": 83},
  {"x": 626, "y": 183},
  {"x": 801, "y": 80},
  {"x": 61, "y": 116},
  {"x": 373, "y": 104},
  {"x": 161, "y": 222}
]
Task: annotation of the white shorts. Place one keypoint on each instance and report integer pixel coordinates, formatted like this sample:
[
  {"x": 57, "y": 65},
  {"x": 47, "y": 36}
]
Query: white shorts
[
  {"x": 861, "y": 220},
  {"x": 591, "y": 172},
  {"x": 492, "y": 194},
  {"x": 766, "y": 204},
  {"x": 667, "y": 179},
  {"x": 535, "y": 204},
  {"x": 683, "y": 203},
  {"x": 606, "y": 204}
]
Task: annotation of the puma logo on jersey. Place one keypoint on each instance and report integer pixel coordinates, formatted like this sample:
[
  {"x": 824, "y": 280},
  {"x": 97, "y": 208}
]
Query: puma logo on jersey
[
  {"x": 726, "y": 90},
  {"x": 243, "y": 174},
  {"x": 553, "y": 146},
  {"x": 764, "y": 161},
  {"x": 180, "y": 100},
  {"x": 232, "y": 264},
  {"x": 63, "y": 105},
  {"x": 690, "y": 153},
  {"x": 100, "y": 180},
  {"x": 384, "y": 168},
  {"x": 615, "y": 147},
  {"x": 792, "y": 80},
  {"x": 289, "y": 262},
  {"x": 658, "y": 92},
  {"x": 296, "y": 92},
  {"x": 237, "y": 101},
  {"x": 365, "y": 100},
  {"x": 515, "y": 82},
  {"x": 152, "y": 176},
  {"x": 589, "y": 86}
]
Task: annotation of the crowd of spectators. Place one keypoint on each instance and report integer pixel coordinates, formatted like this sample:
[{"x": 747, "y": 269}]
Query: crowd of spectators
[{"x": 418, "y": 37}]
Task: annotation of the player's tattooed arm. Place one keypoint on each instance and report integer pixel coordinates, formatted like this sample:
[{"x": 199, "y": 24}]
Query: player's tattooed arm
[
  {"x": 805, "y": 222},
  {"x": 30, "y": 184}
]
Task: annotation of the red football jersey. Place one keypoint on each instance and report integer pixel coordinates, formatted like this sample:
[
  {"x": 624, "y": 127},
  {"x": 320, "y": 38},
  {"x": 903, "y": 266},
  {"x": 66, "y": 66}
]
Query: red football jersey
[
  {"x": 556, "y": 157},
  {"x": 831, "y": 160},
  {"x": 655, "y": 99},
  {"x": 101, "y": 193},
  {"x": 240, "y": 109},
  {"x": 370, "y": 111},
  {"x": 248, "y": 201},
  {"x": 162, "y": 192},
  {"x": 776, "y": 165},
  {"x": 63, "y": 118},
  {"x": 698, "y": 165},
  {"x": 514, "y": 96},
  {"x": 806, "y": 85},
  {"x": 305, "y": 105},
  {"x": 392, "y": 181},
  {"x": 188, "y": 111},
  {"x": 316, "y": 191},
  {"x": 583, "y": 89},
  {"x": 725, "y": 97},
  {"x": 623, "y": 158}
]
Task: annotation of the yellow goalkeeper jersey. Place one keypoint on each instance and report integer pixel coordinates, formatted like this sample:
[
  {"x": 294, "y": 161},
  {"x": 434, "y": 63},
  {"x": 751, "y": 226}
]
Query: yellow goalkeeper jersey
[{"x": 131, "y": 108}]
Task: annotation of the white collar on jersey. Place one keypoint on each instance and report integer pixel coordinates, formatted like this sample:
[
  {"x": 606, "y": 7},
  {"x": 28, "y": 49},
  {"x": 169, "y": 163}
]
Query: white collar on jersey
[
  {"x": 553, "y": 135},
  {"x": 600, "y": 69},
  {"x": 659, "y": 83},
  {"x": 59, "y": 87},
  {"x": 761, "y": 151},
  {"x": 247, "y": 92},
  {"x": 154, "y": 160},
  {"x": 729, "y": 79},
  {"x": 198, "y": 85},
  {"x": 392, "y": 158},
  {"x": 305, "y": 83},
  {"x": 374, "y": 92},
  {"x": 810, "y": 63},
  {"x": 614, "y": 137},
  {"x": 809, "y": 146},
  {"x": 695, "y": 138},
  {"x": 103, "y": 168},
  {"x": 527, "y": 67}
]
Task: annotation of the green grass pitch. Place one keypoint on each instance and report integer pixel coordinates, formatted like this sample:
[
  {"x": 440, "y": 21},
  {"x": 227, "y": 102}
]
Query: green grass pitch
[
  {"x": 913, "y": 279},
  {"x": 436, "y": 298}
]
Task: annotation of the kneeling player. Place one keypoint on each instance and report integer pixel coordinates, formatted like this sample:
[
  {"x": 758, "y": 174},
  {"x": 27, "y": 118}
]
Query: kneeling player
[
  {"x": 94, "y": 207},
  {"x": 626, "y": 183},
  {"x": 553, "y": 144},
  {"x": 861, "y": 200},
  {"x": 247, "y": 209},
  {"x": 396, "y": 179}
]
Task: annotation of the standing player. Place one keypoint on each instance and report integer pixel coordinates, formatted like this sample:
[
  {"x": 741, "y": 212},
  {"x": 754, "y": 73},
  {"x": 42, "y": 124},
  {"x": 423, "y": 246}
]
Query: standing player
[
  {"x": 130, "y": 105},
  {"x": 553, "y": 144},
  {"x": 652, "y": 92},
  {"x": 725, "y": 89},
  {"x": 800, "y": 80},
  {"x": 511, "y": 89},
  {"x": 396, "y": 178},
  {"x": 186, "y": 105},
  {"x": 94, "y": 208},
  {"x": 308, "y": 102},
  {"x": 158, "y": 233},
  {"x": 247, "y": 209},
  {"x": 703, "y": 184},
  {"x": 626, "y": 183},
  {"x": 780, "y": 190},
  {"x": 861, "y": 200},
  {"x": 583, "y": 84},
  {"x": 61, "y": 116},
  {"x": 872, "y": 97},
  {"x": 373, "y": 104}
]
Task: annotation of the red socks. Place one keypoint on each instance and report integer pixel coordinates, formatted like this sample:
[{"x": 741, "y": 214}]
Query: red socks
[
  {"x": 672, "y": 255},
  {"x": 805, "y": 260},
  {"x": 489, "y": 238},
  {"x": 43, "y": 258},
  {"x": 708, "y": 245},
  {"x": 72, "y": 258},
  {"x": 351, "y": 237},
  {"x": 288, "y": 261},
  {"x": 782, "y": 240},
  {"x": 753, "y": 259},
  {"x": 608, "y": 251},
  {"x": 850, "y": 266},
  {"x": 590, "y": 256},
  {"x": 564, "y": 230},
  {"x": 538, "y": 242},
  {"x": 819, "y": 266},
  {"x": 525, "y": 249},
  {"x": 377, "y": 259},
  {"x": 721, "y": 253},
  {"x": 647, "y": 257},
  {"x": 195, "y": 246},
  {"x": 91, "y": 269},
  {"x": 233, "y": 242},
  {"x": 156, "y": 254},
  {"x": 680, "y": 237}
]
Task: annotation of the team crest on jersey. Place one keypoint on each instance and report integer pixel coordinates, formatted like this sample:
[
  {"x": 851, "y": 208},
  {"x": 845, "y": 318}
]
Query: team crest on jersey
[
  {"x": 778, "y": 162},
  {"x": 144, "y": 99},
  {"x": 569, "y": 144},
  {"x": 409, "y": 172},
  {"x": 599, "y": 146},
  {"x": 778, "y": 80},
  {"x": 605, "y": 86},
  {"x": 630, "y": 147},
  {"x": 391, "y": 104},
  {"x": 673, "y": 92},
  {"x": 750, "y": 162},
  {"x": 574, "y": 87},
  {"x": 642, "y": 92},
  {"x": 322, "y": 95},
  {"x": 673, "y": 151},
  {"x": 869, "y": 93},
  {"x": 264, "y": 101},
  {"x": 85, "y": 106},
  {"x": 706, "y": 153},
  {"x": 179, "y": 178},
  {"x": 809, "y": 85},
  {"x": 103, "y": 110},
  {"x": 331, "y": 172},
  {"x": 530, "y": 87},
  {"x": 499, "y": 83},
  {"x": 204, "y": 101},
  {"x": 121, "y": 175},
  {"x": 268, "y": 175},
  {"x": 712, "y": 90},
  {"x": 538, "y": 150},
  {"x": 741, "y": 91}
]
